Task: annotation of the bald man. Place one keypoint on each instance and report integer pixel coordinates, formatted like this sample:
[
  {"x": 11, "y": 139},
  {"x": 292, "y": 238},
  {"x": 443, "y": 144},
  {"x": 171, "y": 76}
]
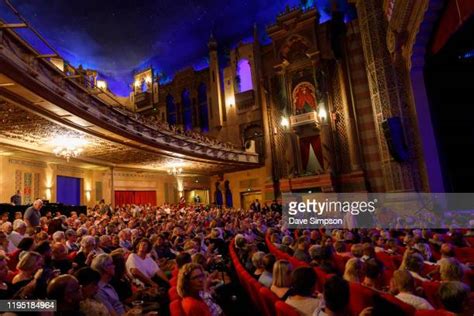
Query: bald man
[{"x": 32, "y": 214}]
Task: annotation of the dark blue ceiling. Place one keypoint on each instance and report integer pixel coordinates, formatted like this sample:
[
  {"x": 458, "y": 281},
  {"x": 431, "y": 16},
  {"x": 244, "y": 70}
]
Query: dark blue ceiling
[{"x": 117, "y": 37}]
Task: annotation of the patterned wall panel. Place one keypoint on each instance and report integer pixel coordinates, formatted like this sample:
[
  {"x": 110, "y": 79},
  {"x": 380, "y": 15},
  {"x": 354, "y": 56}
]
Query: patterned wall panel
[
  {"x": 18, "y": 182},
  {"x": 338, "y": 123},
  {"x": 98, "y": 191},
  {"x": 27, "y": 189},
  {"x": 36, "y": 185}
]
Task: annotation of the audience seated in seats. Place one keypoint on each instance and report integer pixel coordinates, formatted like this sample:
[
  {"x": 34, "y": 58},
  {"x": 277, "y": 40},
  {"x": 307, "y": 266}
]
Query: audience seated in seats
[
  {"x": 142, "y": 268},
  {"x": 357, "y": 251},
  {"x": 281, "y": 279},
  {"x": 368, "y": 252},
  {"x": 66, "y": 290},
  {"x": 191, "y": 287},
  {"x": 26, "y": 244},
  {"x": 59, "y": 258},
  {"x": 162, "y": 248},
  {"x": 321, "y": 257},
  {"x": 414, "y": 264},
  {"x": 353, "y": 271},
  {"x": 403, "y": 283},
  {"x": 121, "y": 281},
  {"x": 286, "y": 242},
  {"x": 71, "y": 240},
  {"x": 266, "y": 278},
  {"x": 340, "y": 248},
  {"x": 18, "y": 233},
  {"x": 454, "y": 296},
  {"x": 301, "y": 249},
  {"x": 106, "y": 293},
  {"x": 303, "y": 287},
  {"x": 30, "y": 262},
  {"x": 89, "y": 280},
  {"x": 451, "y": 270},
  {"x": 5, "y": 286},
  {"x": 257, "y": 262},
  {"x": 373, "y": 275},
  {"x": 86, "y": 253},
  {"x": 336, "y": 298}
]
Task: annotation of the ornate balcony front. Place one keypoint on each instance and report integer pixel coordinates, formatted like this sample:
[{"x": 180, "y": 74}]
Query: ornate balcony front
[{"x": 306, "y": 119}]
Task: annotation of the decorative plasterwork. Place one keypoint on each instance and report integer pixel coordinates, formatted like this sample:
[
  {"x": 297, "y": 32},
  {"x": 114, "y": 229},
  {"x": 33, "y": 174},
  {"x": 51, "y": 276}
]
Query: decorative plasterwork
[
  {"x": 28, "y": 130},
  {"x": 47, "y": 82},
  {"x": 34, "y": 164}
]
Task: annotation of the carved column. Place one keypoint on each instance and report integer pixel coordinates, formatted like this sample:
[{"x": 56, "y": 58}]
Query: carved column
[
  {"x": 112, "y": 191},
  {"x": 325, "y": 129},
  {"x": 349, "y": 121},
  {"x": 384, "y": 90}
]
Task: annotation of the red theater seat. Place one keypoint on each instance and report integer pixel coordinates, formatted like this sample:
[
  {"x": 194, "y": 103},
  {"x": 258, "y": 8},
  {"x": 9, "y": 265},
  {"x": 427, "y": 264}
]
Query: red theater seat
[
  {"x": 176, "y": 309},
  {"x": 340, "y": 262},
  {"x": 360, "y": 298},
  {"x": 283, "y": 309},
  {"x": 268, "y": 299},
  {"x": 173, "y": 294},
  {"x": 431, "y": 293},
  {"x": 408, "y": 309},
  {"x": 436, "y": 312}
]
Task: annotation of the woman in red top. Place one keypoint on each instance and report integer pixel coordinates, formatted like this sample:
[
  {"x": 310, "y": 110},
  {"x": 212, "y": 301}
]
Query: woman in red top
[{"x": 191, "y": 281}]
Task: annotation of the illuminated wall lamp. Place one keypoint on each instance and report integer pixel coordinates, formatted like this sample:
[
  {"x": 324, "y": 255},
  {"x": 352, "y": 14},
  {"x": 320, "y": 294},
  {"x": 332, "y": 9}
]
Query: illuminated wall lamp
[
  {"x": 230, "y": 101},
  {"x": 48, "y": 193},
  {"x": 88, "y": 195}
]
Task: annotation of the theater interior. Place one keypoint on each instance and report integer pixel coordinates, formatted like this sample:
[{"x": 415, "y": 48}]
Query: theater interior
[{"x": 149, "y": 150}]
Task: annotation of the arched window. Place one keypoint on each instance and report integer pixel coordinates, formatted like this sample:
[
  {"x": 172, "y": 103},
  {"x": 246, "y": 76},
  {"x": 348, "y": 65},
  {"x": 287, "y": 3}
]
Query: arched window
[
  {"x": 187, "y": 110},
  {"x": 171, "y": 109},
  {"x": 203, "y": 109},
  {"x": 244, "y": 73}
]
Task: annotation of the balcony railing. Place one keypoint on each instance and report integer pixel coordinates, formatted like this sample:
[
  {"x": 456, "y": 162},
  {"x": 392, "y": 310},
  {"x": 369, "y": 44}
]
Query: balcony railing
[{"x": 309, "y": 118}]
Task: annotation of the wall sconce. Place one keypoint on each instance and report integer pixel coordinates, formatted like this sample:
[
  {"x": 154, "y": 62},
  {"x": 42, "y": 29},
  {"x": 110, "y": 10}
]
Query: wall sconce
[
  {"x": 101, "y": 84},
  {"x": 48, "y": 193},
  {"x": 88, "y": 195},
  {"x": 137, "y": 83},
  {"x": 230, "y": 101},
  {"x": 322, "y": 114},
  {"x": 285, "y": 123}
]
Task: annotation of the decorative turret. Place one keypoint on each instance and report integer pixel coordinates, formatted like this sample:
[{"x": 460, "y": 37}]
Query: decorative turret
[{"x": 215, "y": 106}]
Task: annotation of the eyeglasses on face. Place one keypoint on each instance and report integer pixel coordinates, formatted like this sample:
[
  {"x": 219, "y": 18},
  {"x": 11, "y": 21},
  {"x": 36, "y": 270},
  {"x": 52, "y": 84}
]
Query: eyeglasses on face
[{"x": 197, "y": 277}]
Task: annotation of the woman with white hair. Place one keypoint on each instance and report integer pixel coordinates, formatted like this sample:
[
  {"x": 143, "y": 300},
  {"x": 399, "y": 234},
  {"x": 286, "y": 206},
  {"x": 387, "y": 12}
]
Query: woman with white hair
[
  {"x": 86, "y": 253},
  {"x": 18, "y": 233},
  {"x": 106, "y": 294}
]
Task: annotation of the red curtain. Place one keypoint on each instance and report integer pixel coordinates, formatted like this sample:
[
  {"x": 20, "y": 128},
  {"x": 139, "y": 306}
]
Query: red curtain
[
  {"x": 456, "y": 13},
  {"x": 135, "y": 197},
  {"x": 305, "y": 143},
  {"x": 304, "y": 149}
]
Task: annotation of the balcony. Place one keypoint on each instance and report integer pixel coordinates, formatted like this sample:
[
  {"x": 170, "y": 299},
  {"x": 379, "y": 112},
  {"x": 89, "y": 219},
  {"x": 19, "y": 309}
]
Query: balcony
[
  {"x": 309, "y": 118},
  {"x": 143, "y": 100},
  {"x": 244, "y": 101}
]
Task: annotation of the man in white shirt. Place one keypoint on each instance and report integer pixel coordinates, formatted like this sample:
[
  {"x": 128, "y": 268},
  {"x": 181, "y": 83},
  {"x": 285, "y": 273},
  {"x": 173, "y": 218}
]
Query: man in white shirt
[{"x": 404, "y": 284}]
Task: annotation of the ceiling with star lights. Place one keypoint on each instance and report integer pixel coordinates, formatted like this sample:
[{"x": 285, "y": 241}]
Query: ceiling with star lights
[{"x": 119, "y": 37}]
